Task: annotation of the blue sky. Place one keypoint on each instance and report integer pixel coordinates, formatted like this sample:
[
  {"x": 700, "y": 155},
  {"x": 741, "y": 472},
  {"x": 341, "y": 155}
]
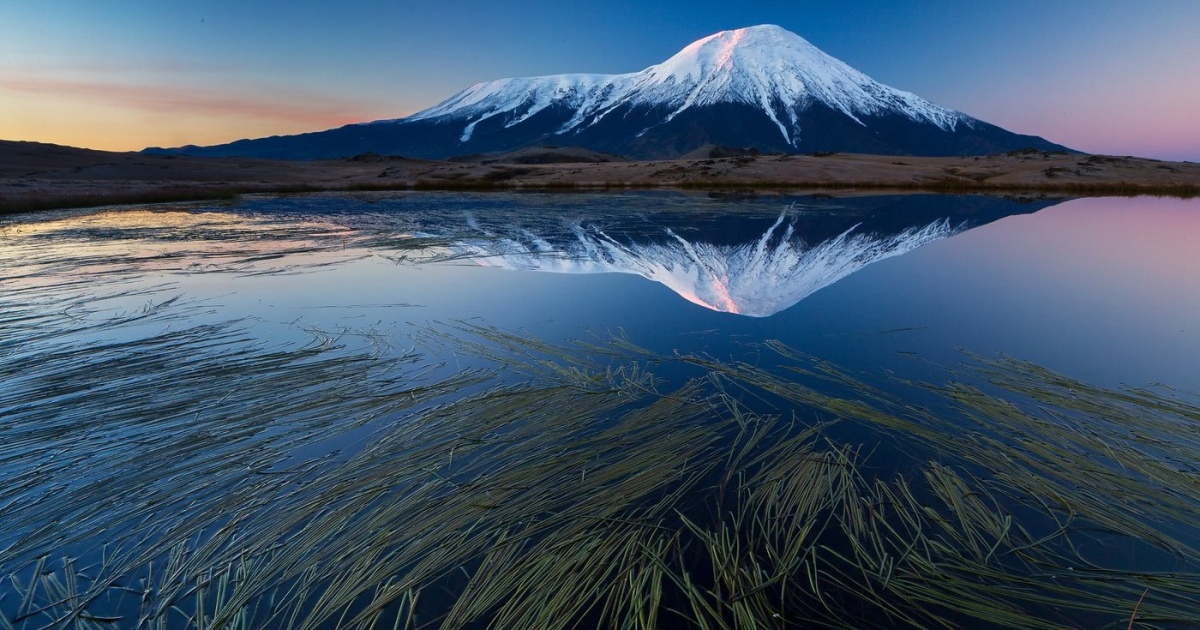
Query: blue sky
[{"x": 1107, "y": 76}]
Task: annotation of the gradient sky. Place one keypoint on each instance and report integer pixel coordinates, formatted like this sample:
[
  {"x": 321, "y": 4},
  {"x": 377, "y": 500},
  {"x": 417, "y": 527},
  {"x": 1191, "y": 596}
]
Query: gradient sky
[{"x": 1105, "y": 76}]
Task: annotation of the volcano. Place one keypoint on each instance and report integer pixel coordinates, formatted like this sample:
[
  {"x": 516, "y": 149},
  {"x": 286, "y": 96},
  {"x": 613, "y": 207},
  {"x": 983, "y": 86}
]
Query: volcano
[{"x": 761, "y": 87}]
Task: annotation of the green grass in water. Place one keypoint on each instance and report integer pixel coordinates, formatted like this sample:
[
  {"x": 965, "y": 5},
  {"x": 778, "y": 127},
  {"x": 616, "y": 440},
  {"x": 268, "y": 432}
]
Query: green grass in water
[{"x": 200, "y": 477}]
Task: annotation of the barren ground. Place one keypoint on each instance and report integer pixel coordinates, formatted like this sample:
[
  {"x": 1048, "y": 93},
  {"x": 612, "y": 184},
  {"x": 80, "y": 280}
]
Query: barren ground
[{"x": 37, "y": 176}]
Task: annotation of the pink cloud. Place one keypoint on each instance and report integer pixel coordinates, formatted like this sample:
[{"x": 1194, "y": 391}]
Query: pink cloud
[{"x": 294, "y": 107}]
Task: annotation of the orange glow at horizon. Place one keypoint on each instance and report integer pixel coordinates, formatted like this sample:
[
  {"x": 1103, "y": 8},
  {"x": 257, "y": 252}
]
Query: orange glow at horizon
[{"x": 129, "y": 117}]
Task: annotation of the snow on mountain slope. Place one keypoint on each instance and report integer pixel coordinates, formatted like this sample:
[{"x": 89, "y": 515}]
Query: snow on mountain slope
[
  {"x": 760, "y": 87},
  {"x": 766, "y": 67},
  {"x": 757, "y": 279}
]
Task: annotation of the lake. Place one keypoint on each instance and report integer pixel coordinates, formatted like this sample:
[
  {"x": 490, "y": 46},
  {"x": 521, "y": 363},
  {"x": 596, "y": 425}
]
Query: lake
[{"x": 634, "y": 409}]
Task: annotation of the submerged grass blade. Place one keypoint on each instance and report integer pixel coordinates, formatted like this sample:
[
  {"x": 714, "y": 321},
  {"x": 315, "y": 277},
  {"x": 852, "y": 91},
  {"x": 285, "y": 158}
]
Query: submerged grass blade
[{"x": 202, "y": 477}]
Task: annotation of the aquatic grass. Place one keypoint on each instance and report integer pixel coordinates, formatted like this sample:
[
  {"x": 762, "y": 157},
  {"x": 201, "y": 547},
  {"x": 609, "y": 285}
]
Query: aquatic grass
[
  {"x": 1081, "y": 488},
  {"x": 165, "y": 467}
]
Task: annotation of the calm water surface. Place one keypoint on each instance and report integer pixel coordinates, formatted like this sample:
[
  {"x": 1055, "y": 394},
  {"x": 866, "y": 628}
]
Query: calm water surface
[{"x": 177, "y": 372}]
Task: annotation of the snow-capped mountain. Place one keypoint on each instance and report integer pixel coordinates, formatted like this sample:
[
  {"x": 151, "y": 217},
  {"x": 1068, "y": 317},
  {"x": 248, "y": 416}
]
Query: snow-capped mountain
[
  {"x": 757, "y": 279},
  {"x": 766, "y": 67},
  {"x": 762, "y": 87}
]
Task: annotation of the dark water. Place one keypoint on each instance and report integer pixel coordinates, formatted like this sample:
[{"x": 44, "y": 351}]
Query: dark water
[{"x": 155, "y": 355}]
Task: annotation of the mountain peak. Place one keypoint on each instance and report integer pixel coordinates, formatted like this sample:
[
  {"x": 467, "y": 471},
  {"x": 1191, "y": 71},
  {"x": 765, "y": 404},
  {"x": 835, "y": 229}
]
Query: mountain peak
[
  {"x": 749, "y": 37},
  {"x": 752, "y": 45},
  {"x": 761, "y": 86},
  {"x": 765, "y": 67}
]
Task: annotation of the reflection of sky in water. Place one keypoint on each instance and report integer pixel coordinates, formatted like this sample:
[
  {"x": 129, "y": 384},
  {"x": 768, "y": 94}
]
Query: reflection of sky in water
[{"x": 1103, "y": 289}]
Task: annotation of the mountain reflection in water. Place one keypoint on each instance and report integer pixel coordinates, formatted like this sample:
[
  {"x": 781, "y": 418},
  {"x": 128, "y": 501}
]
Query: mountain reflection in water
[
  {"x": 758, "y": 278},
  {"x": 747, "y": 256},
  {"x": 795, "y": 256},
  {"x": 270, "y": 414}
]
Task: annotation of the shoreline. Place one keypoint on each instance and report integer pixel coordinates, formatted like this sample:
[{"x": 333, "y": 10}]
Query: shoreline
[
  {"x": 168, "y": 194},
  {"x": 37, "y": 177}
]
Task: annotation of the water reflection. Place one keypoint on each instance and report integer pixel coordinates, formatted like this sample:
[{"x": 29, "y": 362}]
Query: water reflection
[
  {"x": 757, "y": 278},
  {"x": 802, "y": 251},
  {"x": 753, "y": 257},
  {"x": 204, "y": 405}
]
